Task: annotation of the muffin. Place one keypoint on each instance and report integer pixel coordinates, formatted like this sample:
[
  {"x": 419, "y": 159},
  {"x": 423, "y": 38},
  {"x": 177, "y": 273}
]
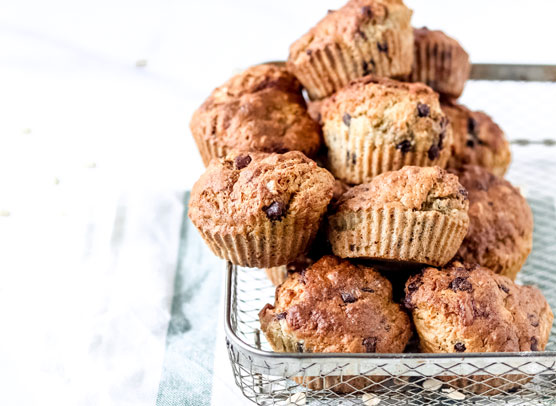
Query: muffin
[
  {"x": 417, "y": 215},
  {"x": 362, "y": 37},
  {"x": 500, "y": 235},
  {"x": 377, "y": 125},
  {"x": 260, "y": 210},
  {"x": 319, "y": 247},
  {"x": 260, "y": 109},
  {"x": 335, "y": 306},
  {"x": 440, "y": 62},
  {"x": 463, "y": 308},
  {"x": 477, "y": 139}
]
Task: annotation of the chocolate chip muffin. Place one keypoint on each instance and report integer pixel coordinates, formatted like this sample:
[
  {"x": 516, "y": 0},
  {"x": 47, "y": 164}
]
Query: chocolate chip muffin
[
  {"x": 362, "y": 37},
  {"x": 440, "y": 62},
  {"x": 463, "y": 308},
  {"x": 319, "y": 247},
  {"x": 478, "y": 140},
  {"x": 416, "y": 215},
  {"x": 377, "y": 125},
  {"x": 260, "y": 109},
  {"x": 335, "y": 306},
  {"x": 500, "y": 235},
  {"x": 260, "y": 210}
]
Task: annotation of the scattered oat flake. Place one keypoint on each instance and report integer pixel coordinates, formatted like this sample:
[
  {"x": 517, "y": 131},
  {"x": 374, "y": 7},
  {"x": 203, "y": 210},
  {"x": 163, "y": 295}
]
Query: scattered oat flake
[
  {"x": 432, "y": 384},
  {"x": 453, "y": 394},
  {"x": 370, "y": 399},
  {"x": 297, "y": 399},
  {"x": 141, "y": 63},
  {"x": 271, "y": 186}
]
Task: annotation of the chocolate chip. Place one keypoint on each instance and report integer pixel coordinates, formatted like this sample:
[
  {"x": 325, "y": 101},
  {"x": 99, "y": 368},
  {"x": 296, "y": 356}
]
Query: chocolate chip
[
  {"x": 370, "y": 344},
  {"x": 470, "y": 143},
  {"x": 275, "y": 211},
  {"x": 299, "y": 347},
  {"x": 423, "y": 110},
  {"x": 348, "y": 298},
  {"x": 472, "y": 126},
  {"x": 490, "y": 204},
  {"x": 347, "y": 119},
  {"x": 369, "y": 290},
  {"x": 281, "y": 316},
  {"x": 242, "y": 161},
  {"x": 462, "y": 284},
  {"x": 309, "y": 52},
  {"x": 441, "y": 140},
  {"x": 351, "y": 247},
  {"x": 533, "y": 319},
  {"x": 366, "y": 11},
  {"x": 382, "y": 46},
  {"x": 504, "y": 288},
  {"x": 464, "y": 193},
  {"x": 534, "y": 344},
  {"x": 330, "y": 11},
  {"x": 434, "y": 152},
  {"x": 459, "y": 347},
  {"x": 404, "y": 146},
  {"x": 411, "y": 288}
]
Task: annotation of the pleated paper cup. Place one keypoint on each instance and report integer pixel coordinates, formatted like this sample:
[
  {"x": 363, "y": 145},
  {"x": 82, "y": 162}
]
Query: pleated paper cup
[
  {"x": 357, "y": 160},
  {"x": 440, "y": 62},
  {"x": 327, "y": 70},
  {"x": 209, "y": 149},
  {"x": 267, "y": 244},
  {"x": 427, "y": 237}
]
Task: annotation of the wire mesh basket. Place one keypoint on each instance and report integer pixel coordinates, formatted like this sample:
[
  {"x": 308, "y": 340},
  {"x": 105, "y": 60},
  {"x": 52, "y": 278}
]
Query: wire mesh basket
[{"x": 524, "y": 110}]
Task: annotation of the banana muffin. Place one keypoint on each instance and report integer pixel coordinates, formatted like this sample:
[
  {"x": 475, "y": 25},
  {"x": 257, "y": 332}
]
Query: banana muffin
[
  {"x": 335, "y": 306},
  {"x": 478, "y": 140},
  {"x": 260, "y": 210},
  {"x": 440, "y": 62},
  {"x": 362, "y": 37},
  {"x": 468, "y": 308},
  {"x": 260, "y": 109},
  {"x": 416, "y": 214},
  {"x": 500, "y": 235},
  {"x": 377, "y": 125}
]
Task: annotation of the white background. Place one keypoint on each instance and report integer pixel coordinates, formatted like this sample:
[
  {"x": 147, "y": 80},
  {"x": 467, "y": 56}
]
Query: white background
[{"x": 95, "y": 152}]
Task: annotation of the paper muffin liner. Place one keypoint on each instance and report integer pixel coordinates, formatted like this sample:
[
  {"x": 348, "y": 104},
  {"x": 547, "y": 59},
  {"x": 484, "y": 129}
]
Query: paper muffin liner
[
  {"x": 357, "y": 160},
  {"x": 209, "y": 149},
  {"x": 277, "y": 275},
  {"x": 266, "y": 244},
  {"x": 343, "y": 384},
  {"x": 331, "y": 68},
  {"x": 427, "y": 237},
  {"x": 442, "y": 65}
]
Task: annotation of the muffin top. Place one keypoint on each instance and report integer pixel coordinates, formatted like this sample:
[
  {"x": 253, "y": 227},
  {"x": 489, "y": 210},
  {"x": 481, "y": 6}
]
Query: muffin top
[
  {"x": 410, "y": 188},
  {"x": 337, "y": 306},
  {"x": 342, "y": 25},
  {"x": 407, "y": 115},
  {"x": 477, "y": 139},
  {"x": 261, "y": 109},
  {"x": 463, "y": 308},
  {"x": 245, "y": 188},
  {"x": 500, "y": 220}
]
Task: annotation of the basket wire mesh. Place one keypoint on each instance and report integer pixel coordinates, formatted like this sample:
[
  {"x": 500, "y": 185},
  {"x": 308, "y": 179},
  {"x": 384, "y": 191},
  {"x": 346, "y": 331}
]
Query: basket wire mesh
[{"x": 524, "y": 110}]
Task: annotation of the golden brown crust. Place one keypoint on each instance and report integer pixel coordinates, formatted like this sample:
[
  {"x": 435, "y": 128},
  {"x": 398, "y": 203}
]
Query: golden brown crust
[
  {"x": 372, "y": 116},
  {"x": 362, "y": 37},
  {"x": 410, "y": 188},
  {"x": 478, "y": 140},
  {"x": 261, "y": 109},
  {"x": 440, "y": 62},
  {"x": 500, "y": 235},
  {"x": 335, "y": 306},
  {"x": 234, "y": 191},
  {"x": 463, "y": 308}
]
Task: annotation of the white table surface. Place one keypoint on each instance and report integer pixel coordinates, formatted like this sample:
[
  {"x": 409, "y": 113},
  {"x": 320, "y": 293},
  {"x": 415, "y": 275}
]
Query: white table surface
[{"x": 96, "y": 153}]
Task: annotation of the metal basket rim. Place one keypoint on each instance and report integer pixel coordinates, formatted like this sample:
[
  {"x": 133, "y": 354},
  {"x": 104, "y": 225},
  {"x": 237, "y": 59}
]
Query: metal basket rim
[{"x": 249, "y": 350}]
